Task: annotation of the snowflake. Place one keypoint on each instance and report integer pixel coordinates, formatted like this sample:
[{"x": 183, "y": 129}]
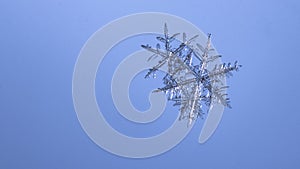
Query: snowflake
[{"x": 188, "y": 82}]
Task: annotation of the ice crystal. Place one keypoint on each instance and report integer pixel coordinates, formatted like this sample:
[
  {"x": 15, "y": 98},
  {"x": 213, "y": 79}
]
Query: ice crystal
[{"x": 188, "y": 83}]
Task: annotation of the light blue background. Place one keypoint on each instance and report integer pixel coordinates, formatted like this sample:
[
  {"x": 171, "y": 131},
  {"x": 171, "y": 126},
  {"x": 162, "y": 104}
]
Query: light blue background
[{"x": 40, "y": 42}]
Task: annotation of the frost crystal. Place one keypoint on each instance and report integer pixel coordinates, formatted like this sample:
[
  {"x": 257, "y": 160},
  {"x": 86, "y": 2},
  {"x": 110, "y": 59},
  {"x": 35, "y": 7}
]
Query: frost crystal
[{"x": 188, "y": 81}]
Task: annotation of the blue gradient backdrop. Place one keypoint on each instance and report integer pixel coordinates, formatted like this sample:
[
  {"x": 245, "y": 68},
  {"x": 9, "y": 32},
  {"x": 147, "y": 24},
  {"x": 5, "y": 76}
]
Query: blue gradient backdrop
[{"x": 40, "y": 42}]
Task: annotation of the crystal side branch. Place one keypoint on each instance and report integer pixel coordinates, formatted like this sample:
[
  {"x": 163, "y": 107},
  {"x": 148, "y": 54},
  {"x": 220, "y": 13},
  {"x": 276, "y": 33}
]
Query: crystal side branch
[{"x": 191, "y": 86}]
